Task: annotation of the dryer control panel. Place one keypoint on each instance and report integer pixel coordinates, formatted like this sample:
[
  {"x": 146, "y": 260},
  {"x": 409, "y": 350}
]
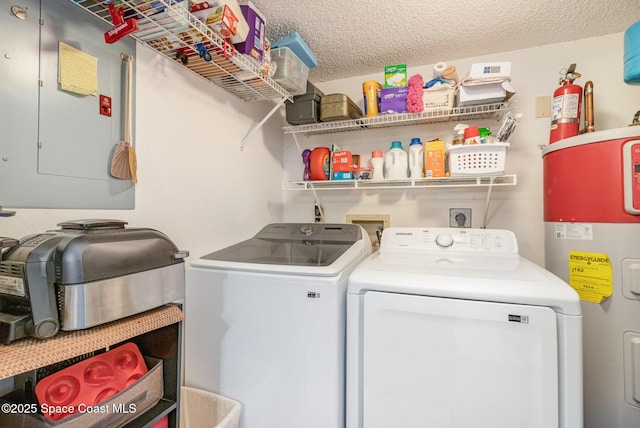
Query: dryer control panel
[{"x": 440, "y": 239}]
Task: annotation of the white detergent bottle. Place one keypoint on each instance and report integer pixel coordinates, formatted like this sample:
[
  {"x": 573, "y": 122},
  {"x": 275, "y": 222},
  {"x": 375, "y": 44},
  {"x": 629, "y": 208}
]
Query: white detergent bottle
[
  {"x": 416, "y": 158},
  {"x": 396, "y": 163},
  {"x": 377, "y": 162}
]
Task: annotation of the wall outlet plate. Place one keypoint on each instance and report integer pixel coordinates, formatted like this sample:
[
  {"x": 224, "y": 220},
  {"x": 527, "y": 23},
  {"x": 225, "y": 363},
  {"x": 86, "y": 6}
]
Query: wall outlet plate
[
  {"x": 543, "y": 106},
  {"x": 459, "y": 217}
]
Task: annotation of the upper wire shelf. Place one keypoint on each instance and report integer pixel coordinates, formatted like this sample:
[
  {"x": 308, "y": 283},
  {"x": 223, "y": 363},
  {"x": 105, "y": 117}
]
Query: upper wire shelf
[
  {"x": 436, "y": 115},
  {"x": 167, "y": 27}
]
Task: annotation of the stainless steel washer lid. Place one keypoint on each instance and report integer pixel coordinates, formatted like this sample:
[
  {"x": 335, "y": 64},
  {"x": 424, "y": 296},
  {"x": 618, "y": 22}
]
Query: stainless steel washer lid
[{"x": 294, "y": 248}]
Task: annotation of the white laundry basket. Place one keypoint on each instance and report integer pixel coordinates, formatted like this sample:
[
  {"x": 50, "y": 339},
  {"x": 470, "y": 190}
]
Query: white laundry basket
[
  {"x": 477, "y": 159},
  {"x": 204, "y": 409}
]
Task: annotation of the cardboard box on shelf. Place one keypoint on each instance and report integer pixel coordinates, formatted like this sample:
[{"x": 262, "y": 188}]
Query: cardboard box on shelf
[
  {"x": 490, "y": 69},
  {"x": 435, "y": 157},
  {"x": 224, "y": 17},
  {"x": 473, "y": 93},
  {"x": 342, "y": 176},
  {"x": 342, "y": 161},
  {"x": 393, "y": 100},
  {"x": 254, "y": 44},
  {"x": 395, "y": 76}
]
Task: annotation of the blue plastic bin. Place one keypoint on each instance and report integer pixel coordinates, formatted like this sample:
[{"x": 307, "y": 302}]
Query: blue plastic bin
[
  {"x": 632, "y": 54},
  {"x": 295, "y": 42}
]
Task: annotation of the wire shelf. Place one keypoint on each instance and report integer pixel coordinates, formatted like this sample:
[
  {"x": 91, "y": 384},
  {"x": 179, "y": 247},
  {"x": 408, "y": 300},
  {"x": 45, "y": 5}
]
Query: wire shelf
[
  {"x": 416, "y": 183},
  {"x": 167, "y": 27},
  {"x": 436, "y": 115}
]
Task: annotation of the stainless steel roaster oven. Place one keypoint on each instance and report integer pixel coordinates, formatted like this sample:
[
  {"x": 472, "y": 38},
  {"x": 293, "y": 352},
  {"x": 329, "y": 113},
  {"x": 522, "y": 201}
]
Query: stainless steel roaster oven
[{"x": 87, "y": 273}]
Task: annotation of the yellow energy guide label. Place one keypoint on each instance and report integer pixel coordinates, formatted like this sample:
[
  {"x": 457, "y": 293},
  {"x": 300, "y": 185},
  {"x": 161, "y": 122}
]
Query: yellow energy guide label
[{"x": 590, "y": 274}]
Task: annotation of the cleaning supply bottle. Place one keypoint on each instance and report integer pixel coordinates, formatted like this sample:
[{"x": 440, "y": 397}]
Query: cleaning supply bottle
[
  {"x": 306, "y": 160},
  {"x": 378, "y": 165},
  {"x": 371, "y": 93},
  {"x": 416, "y": 158},
  {"x": 484, "y": 133},
  {"x": 472, "y": 135},
  {"x": 459, "y": 137},
  {"x": 319, "y": 163},
  {"x": 396, "y": 163}
]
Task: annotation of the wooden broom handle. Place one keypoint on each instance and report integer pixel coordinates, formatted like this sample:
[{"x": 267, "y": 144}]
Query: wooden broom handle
[{"x": 128, "y": 59}]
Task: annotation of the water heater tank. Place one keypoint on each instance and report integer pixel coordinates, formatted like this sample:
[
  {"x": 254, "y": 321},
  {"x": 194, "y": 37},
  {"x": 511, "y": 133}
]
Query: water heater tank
[{"x": 592, "y": 241}]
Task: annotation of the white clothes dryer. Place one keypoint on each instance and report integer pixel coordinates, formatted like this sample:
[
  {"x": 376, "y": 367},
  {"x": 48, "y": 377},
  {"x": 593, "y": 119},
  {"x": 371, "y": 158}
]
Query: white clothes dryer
[
  {"x": 266, "y": 319},
  {"x": 452, "y": 328}
]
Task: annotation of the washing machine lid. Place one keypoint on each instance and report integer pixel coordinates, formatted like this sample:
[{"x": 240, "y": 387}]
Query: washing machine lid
[
  {"x": 474, "y": 264},
  {"x": 294, "y": 248}
]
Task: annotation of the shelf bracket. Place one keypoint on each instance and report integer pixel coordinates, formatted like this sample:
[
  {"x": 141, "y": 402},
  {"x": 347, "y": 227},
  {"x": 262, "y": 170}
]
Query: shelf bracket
[{"x": 262, "y": 122}]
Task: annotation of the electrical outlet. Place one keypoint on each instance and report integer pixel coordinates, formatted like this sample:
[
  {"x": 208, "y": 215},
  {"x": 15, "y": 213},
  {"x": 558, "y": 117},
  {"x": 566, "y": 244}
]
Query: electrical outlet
[
  {"x": 318, "y": 213},
  {"x": 459, "y": 217}
]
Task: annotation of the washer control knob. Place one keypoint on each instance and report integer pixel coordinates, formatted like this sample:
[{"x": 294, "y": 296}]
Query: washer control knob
[
  {"x": 306, "y": 230},
  {"x": 444, "y": 241}
]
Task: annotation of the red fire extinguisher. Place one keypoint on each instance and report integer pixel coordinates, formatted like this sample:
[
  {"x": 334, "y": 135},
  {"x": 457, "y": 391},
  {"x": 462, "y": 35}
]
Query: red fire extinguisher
[{"x": 565, "y": 109}]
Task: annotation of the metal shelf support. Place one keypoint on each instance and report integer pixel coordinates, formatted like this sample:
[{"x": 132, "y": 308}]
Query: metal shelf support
[{"x": 262, "y": 122}]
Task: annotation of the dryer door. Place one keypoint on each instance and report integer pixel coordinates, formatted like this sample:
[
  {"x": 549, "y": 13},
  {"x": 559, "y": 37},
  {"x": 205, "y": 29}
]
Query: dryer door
[{"x": 437, "y": 362}]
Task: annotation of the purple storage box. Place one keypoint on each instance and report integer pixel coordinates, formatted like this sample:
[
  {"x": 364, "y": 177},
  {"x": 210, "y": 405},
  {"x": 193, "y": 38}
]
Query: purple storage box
[
  {"x": 254, "y": 44},
  {"x": 393, "y": 100}
]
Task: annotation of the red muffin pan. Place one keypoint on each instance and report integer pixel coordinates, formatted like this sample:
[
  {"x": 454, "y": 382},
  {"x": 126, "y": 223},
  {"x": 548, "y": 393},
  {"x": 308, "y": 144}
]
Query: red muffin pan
[{"x": 80, "y": 387}]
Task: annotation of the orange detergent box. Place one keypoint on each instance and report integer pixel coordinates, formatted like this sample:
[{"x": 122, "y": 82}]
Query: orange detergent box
[
  {"x": 435, "y": 158},
  {"x": 342, "y": 161}
]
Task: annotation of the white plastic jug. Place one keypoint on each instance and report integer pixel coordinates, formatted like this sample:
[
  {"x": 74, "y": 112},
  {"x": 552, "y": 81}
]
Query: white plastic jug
[
  {"x": 377, "y": 162},
  {"x": 396, "y": 163},
  {"x": 416, "y": 158}
]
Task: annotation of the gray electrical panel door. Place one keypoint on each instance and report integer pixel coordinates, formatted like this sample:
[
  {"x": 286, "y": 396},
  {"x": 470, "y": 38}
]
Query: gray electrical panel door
[{"x": 56, "y": 144}]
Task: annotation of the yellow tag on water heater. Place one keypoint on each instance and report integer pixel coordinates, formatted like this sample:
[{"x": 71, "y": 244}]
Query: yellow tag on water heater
[{"x": 591, "y": 275}]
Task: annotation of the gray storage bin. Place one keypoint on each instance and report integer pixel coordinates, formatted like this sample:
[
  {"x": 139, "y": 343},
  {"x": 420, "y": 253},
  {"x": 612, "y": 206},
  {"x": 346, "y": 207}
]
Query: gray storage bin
[{"x": 305, "y": 108}]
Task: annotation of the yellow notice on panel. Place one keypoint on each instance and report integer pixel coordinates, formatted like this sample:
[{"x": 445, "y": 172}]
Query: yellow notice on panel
[{"x": 590, "y": 274}]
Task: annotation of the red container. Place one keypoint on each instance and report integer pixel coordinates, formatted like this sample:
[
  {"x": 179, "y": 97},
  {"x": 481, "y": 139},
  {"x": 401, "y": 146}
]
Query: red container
[
  {"x": 319, "y": 163},
  {"x": 82, "y": 386},
  {"x": 593, "y": 177}
]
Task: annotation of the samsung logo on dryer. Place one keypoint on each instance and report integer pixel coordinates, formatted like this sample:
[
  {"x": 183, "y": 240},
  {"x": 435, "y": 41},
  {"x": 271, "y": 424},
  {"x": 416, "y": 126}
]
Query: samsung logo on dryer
[{"x": 524, "y": 319}]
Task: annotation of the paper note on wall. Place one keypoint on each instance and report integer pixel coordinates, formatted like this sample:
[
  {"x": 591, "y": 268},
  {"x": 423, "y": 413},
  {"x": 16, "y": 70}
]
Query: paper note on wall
[
  {"x": 77, "y": 71},
  {"x": 590, "y": 274}
]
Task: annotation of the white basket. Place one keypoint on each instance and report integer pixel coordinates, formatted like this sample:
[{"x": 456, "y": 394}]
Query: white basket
[
  {"x": 204, "y": 409},
  {"x": 477, "y": 159},
  {"x": 438, "y": 98}
]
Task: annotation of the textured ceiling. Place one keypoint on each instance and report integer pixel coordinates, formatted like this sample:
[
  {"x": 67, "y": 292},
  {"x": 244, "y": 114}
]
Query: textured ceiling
[{"x": 357, "y": 37}]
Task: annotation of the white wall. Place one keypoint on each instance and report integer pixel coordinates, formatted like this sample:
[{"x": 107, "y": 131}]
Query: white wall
[
  {"x": 518, "y": 208},
  {"x": 199, "y": 188},
  {"x": 195, "y": 184}
]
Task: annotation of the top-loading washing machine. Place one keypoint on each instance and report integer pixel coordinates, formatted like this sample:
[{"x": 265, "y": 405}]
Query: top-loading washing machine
[
  {"x": 452, "y": 328},
  {"x": 265, "y": 323}
]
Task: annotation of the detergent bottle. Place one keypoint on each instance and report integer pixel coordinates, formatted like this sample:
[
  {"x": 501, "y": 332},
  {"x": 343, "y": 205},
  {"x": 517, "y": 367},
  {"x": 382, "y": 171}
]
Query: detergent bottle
[
  {"x": 319, "y": 160},
  {"x": 396, "y": 162},
  {"x": 416, "y": 158},
  {"x": 377, "y": 162}
]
